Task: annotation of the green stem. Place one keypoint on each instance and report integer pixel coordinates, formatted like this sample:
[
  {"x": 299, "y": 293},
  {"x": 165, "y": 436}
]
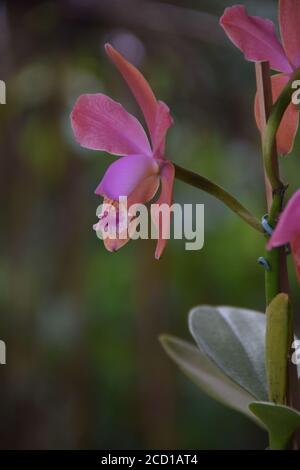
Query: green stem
[
  {"x": 274, "y": 120},
  {"x": 276, "y": 277},
  {"x": 273, "y": 281},
  {"x": 272, "y": 276},
  {"x": 218, "y": 192}
]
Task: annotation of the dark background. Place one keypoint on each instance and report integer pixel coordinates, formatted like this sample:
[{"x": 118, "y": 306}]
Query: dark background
[{"x": 84, "y": 365}]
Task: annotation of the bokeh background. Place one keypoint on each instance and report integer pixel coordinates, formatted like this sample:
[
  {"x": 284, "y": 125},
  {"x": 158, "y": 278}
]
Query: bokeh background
[{"x": 84, "y": 367}]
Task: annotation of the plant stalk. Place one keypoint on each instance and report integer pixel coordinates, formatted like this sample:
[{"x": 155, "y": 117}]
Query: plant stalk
[
  {"x": 276, "y": 277},
  {"x": 200, "y": 182}
]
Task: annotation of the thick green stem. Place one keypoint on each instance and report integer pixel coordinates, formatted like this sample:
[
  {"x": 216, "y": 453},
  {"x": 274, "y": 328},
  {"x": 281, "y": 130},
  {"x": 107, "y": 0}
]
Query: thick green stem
[
  {"x": 276, "y": 257},
  {"x": 218, "y": 192},
  {"x": 274, "y": 120},
  {"x": 272, "y": 276},
  {"x": 276, "y": 278}
]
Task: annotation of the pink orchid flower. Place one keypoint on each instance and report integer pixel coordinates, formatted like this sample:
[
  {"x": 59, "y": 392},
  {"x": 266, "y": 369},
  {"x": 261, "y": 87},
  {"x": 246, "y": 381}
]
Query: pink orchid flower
[
  {"x": 257, "y": 39},
  {"x": 100, "y": 123},
  {"x": 288, "y": 229}
]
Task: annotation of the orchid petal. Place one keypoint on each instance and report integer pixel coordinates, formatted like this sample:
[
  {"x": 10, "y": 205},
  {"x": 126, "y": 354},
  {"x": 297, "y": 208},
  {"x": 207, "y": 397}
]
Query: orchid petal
[
  {"x": 125, "y": 174},
  {"x": 167, "y": 175},
  {"x": 289, "y": 19},
  {"x": 163, "y": 122},
  {"x": 288, "y": 227},
  {"x": 100, "y": 123},
  {"x": 145, "y": 191},
  {"x": 255, "y": 37},
  {"x": 289, "y": 124},
  {"x": 139, "y": 87}
]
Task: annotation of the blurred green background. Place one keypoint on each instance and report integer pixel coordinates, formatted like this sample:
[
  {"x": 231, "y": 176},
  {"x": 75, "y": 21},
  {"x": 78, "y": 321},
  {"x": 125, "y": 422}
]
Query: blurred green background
[{"x": 84, "y": 365}]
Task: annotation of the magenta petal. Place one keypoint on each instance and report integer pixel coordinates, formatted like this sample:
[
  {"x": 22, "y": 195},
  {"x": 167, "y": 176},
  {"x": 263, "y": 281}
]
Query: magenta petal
[
  {"x": 255, "y": 37},
  {"x": 163, "y": 122},
  {"x": 100, "y": 123},
  {"x": 124, "y": 175},
  {"x": 167, "y": 175},
  {"x": 289, "y": 124},
  {"x": 138, "y": 86},
  {"x": 288, "y": 227},
  {"x": 145, "y": 191},
  {"x": 289, "y": 19}
]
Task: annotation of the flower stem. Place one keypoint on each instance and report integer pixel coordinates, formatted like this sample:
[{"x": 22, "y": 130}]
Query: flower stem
[
  {"x": 276, "y": 258},
  {"x": 198, "y": 181},
  {"x": 269, "y": 135},
  {"x": 276, "y": 277}
]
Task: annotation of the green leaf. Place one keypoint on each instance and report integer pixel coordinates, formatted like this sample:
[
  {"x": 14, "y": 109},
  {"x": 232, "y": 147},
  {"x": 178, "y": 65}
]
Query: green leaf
[
  {"x": 278, "y": 341},
  {"x": 281, "y": 422},
  {"x": 204, "y": 373},
  {"x": 234, "y": 339}
]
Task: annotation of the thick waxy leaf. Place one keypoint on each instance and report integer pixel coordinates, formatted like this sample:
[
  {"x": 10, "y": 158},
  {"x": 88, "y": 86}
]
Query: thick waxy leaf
[
  {"x": 278, "y": 342},
  {"x": 204, "y": 373},
  {"x": 234, "y": 339},
  {"x": 280, "y": 420}
]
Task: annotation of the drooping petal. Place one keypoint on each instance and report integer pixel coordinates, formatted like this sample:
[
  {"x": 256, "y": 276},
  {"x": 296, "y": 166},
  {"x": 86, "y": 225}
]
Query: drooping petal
[
  {"x": 166, "y": 196},
  {"x": 138, "y": 86},
  {"x": 100, "y": 123},
  {"x": 145, "y": 191},
  {"x": 163, "y": 122},
  {"x": 288, "y": 127},
  {"x": 288, "y": 226},
  {"x": 289, "y": 19},
  {"x": 255, "y": 37},
  {"x": 125, "y": 174}
]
